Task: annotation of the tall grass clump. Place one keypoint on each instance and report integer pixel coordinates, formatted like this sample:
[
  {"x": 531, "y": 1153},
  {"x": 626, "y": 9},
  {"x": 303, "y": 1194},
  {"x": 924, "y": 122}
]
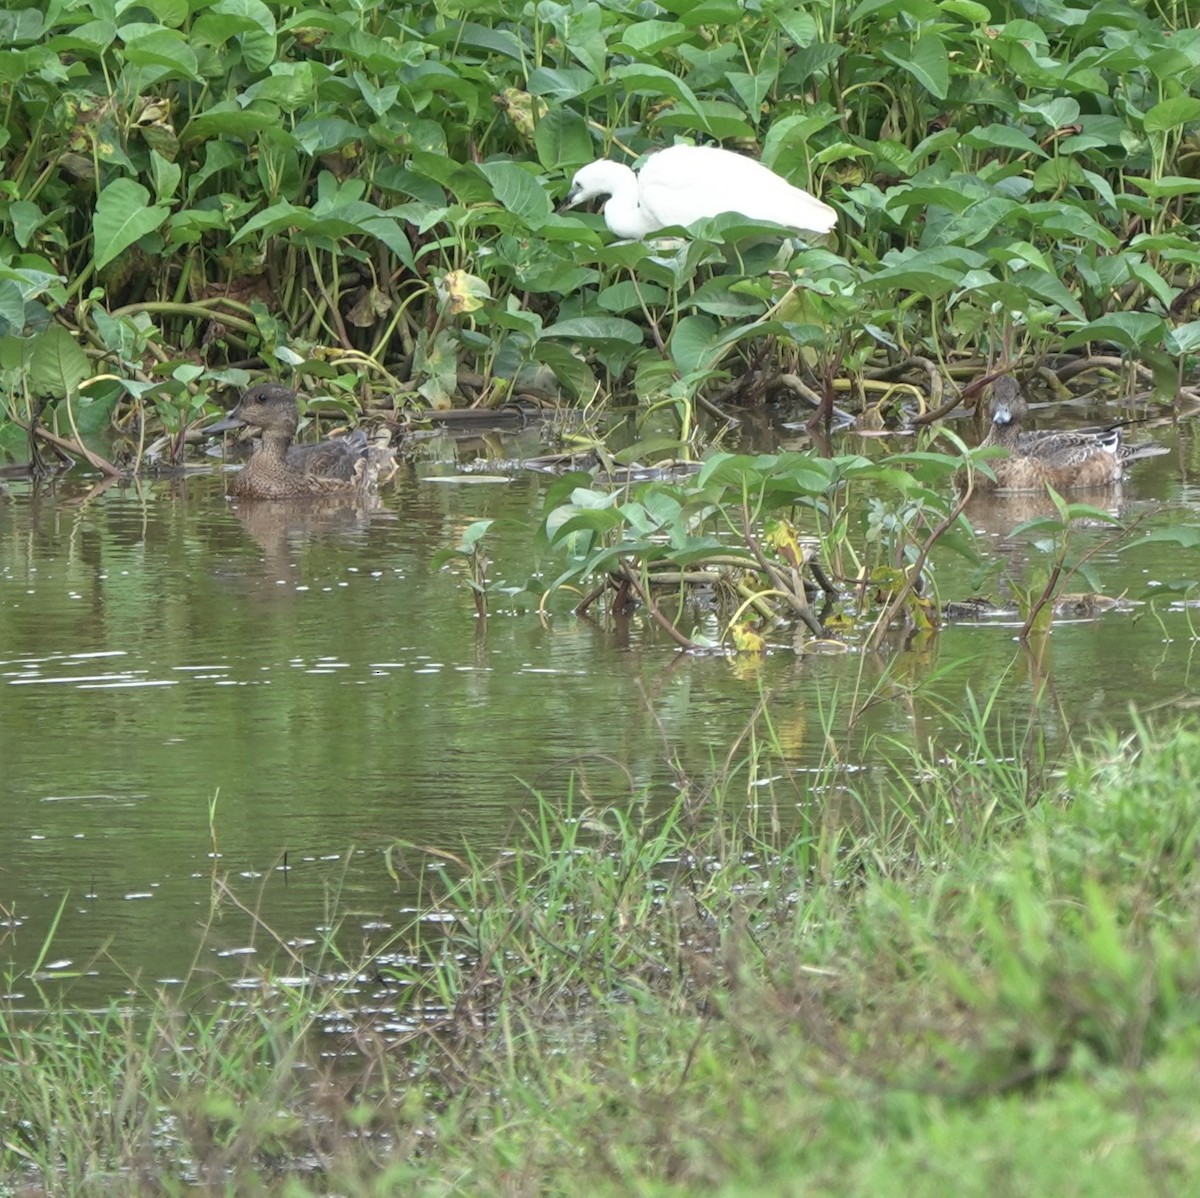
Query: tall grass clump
[{"x": 997, "y": 987}]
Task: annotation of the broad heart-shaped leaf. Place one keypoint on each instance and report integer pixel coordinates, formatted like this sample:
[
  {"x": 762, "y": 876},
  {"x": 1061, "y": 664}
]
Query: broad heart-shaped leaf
[
  {"x": 931, "y": 272},
  {"x": 642, "y": 77},
  {"x": 57, "y": 365},
  {"x": 1130, "y": 330},
  {"x": 227, "y": 120},
  {"x": 245, "y": 16},
  {"x": 562, "y": 138},
  {"x": 1172, "y": 114},
  {"x": 927, "y": 62},
  {"x": 148, "y": 46},
  {"x": 323, "y": 135},
  {"x": 786, "y": 145},
  {"x": 563, "y": 83},
  {"x": 692, "y": 343},
  {"x": 518, "y": 191},
  {"x": 1165, "y": 186},
  {"x": 94, "y": 37},
  {"x": 694, "y": 13},
  {"x": 1183, "y": 339},
  {"x": 783, "y": 474},
  {"x": 647, "y": 38},
  {"x": 988, "y": 137},
  {"x": 722, "y": 120},
  {"x": 124, "y": 214},
  {"x": 571, "y": 371},
  {"x": 12, "y": 308},
  {"x": 591, "y": 330}
]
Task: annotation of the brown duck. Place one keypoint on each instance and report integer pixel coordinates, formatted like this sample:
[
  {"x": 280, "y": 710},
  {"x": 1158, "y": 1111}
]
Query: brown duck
[
  {"x": 1067, "y": 459},
  {"x": 281, "y": 470}
]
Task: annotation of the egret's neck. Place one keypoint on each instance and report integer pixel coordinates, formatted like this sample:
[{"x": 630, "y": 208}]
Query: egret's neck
[{"x": 622, "y": 212}]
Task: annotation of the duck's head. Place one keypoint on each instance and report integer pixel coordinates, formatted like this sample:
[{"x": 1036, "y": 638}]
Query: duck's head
[
  {"x": 270, "y": 407},
  {"x": 1008, "y": 401}
]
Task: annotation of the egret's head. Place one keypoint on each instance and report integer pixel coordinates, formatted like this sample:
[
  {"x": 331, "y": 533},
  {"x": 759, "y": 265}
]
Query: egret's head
[{"x": 598, "y": 178}]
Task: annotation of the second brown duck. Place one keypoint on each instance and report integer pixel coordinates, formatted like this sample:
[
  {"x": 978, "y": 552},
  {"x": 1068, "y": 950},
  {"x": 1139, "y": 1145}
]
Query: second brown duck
[
  {"x": 281, "y": 470},
  {"x": 1063, "y": 459}
]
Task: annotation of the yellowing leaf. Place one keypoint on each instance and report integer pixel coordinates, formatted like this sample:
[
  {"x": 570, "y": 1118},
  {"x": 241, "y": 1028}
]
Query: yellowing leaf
[{"x": 461, "y": 292}]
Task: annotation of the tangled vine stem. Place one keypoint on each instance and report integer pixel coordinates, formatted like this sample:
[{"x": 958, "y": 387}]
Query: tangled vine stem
[{"x": 914, "y": 572}]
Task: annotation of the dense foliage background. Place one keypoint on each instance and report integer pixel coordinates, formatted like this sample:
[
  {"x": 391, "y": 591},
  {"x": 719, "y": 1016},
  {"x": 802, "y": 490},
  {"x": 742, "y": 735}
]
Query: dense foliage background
[{"x": 365, "y": 193}]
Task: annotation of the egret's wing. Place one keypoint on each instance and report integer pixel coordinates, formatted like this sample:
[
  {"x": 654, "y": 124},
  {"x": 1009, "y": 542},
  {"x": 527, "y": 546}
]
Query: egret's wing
[{"x": 689, "y": 183}]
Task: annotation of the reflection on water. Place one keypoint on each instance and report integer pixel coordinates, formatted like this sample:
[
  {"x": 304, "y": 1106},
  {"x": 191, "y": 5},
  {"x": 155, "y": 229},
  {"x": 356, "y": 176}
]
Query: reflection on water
[{"x": 190, "y": 691}]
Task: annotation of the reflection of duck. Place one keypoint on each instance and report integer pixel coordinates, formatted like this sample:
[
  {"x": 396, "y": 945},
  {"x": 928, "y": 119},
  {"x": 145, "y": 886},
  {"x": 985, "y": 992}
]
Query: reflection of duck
[
  {"x": 1062, "y": 459},
  {"x": 287, "y": 532},
  {"x": 281, "y": 470}
]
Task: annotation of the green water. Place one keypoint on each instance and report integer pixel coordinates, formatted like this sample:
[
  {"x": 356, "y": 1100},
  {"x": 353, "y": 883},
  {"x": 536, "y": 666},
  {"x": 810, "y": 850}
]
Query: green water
[{"x": 188, "y": 693}]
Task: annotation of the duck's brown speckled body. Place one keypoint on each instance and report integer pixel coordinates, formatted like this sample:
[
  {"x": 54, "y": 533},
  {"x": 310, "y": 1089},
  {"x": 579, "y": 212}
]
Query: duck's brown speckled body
[
  {"x": 1063, "y": 459},
  {"x": 281, "y": 470}
]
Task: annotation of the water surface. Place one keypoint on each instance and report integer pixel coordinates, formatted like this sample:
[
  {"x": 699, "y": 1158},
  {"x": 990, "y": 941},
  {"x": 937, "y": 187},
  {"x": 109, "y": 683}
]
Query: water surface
[{"x": 192, "y": 693}]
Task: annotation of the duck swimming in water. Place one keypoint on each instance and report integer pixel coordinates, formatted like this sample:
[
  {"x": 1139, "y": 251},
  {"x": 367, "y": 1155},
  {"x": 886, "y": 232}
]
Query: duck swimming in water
[
  {"x": 1066, "y": 459},
  {"x": 281, "y": 470}
]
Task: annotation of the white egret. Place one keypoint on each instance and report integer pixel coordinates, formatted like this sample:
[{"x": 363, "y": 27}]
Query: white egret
[{"x": 683, "y": 184}]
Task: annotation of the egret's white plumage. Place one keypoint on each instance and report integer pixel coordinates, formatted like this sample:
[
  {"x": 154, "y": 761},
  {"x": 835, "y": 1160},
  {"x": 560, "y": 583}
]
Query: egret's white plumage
[{"x": 683, "y": 184}]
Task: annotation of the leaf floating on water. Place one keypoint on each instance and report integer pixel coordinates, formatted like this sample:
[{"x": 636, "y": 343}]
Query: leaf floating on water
[{"x": 747, "y": 639}]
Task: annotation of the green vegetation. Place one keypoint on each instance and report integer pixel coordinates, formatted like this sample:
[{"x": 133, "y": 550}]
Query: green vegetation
[
  {"x": 364, "y": 195},
  {"x": 977, "y": 969},
  {"x": 974, "y": 970}
]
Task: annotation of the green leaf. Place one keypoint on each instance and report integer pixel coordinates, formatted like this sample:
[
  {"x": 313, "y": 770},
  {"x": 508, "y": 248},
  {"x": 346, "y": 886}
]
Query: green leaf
[
  {"x": 166, "y": 176},
  {"x": 694, "y": 13},
  {"x": 1058, "y": 173},
  {"x": 12, "y": 308},
  {"x": 722, "y": 120},
  {"x": 1165, "y": 186},
  {"x": 1172, "y": 114},
  {"x": 993, "y": 137},
  {"x": 228, "y": 120},
  {"x": 124, "y": 214},
  {"x": 592, "y": 329},
  {"x": 57, "y": 365},
  {"x": 654, "y": 81},
  {"x": 932, "y": 272},
  {"x": 969, "y": 10},
  {"x": 721, "y": 297},
  {"x": 926, "y": 60},
  {"x": 562, "y": 138},
  {"x": 1129, "y": 330},
  {"x": 92, "y": 36},
  {"x": 1185, "y": 338},
  {"x": 164, "y": 48},
  {"x": 649, "y": 38},
  {"x": 518, "y": 191},
  {"x": 1187, "y": 537},
  {"x": 628, "y": 296},
  {"x": 692, "y": 343},
  {"x": 563, "y": 83},
  {"x": 571, "y": 371}
]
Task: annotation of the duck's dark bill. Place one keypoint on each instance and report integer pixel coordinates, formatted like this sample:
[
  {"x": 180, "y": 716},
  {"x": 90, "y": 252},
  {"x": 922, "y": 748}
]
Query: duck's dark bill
[{"x": 230, "y": 421}]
